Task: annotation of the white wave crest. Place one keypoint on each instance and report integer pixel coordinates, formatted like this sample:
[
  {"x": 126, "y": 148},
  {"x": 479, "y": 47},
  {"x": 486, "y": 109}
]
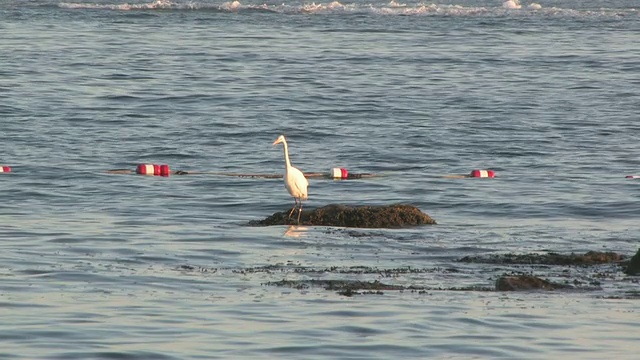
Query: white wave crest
[
  {"x": 157, "y": 4},
  {"x": 392, "y": 8},
  {"x": 394, "y": 3},
  {"x": 313, "y": 7},
  {"x": 332, "y": 6},
  {"x": 232, "y": 5},
  {"x": 515, "y": 4},
  {"x": 511, "y": 4}
]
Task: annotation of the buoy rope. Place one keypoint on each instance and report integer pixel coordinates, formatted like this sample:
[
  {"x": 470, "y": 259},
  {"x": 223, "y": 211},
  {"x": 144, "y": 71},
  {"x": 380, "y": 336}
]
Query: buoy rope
[
  {"x": 335, "y": 173},
  {"x": 243, "y": 175}
]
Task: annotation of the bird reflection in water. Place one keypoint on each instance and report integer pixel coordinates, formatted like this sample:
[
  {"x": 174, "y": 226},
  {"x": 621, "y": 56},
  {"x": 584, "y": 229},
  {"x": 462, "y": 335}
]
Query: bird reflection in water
[{"x": 296, "y": 231}]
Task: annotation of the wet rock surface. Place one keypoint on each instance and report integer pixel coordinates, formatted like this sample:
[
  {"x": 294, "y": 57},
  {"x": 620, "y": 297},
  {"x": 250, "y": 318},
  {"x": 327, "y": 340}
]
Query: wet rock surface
[
  {"x": 527, "y": 282},
  {"x": 633, "y": 267},
  {"x": 384, "y": 216}
]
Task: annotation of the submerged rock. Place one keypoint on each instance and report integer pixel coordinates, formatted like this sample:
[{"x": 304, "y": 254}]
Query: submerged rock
[
  {"x": 587, "y": 259},
  {"x": 633, "y": 267},
  {"x": 357, "y": 287},
  {"x": 384, "y": 216},
  {"x": 526, "y": 282}
]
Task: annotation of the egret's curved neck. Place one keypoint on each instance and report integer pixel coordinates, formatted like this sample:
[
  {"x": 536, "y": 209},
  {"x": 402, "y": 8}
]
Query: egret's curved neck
[{"x": 286, "y": 154}]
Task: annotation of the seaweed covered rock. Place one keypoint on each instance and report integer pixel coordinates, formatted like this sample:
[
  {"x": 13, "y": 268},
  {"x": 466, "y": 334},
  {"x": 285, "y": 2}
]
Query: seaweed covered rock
[
  {"x": 633, "y": 267},
  {"x": 526, "y": 282},
  {"x": 587, "y": 259},
  {"x": 388, "y": 216}
]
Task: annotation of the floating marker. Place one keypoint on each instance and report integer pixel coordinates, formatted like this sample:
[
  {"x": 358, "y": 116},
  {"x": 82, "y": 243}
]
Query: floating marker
[
  {"x": 153, "y": 170},
  {"x": 4, "y": 169},
  {"x": 164, "y": 170},
  {"x": 632, "y": 176},
  {"x": 482, "y": 173},
  {"x": 339, "y": 173}
]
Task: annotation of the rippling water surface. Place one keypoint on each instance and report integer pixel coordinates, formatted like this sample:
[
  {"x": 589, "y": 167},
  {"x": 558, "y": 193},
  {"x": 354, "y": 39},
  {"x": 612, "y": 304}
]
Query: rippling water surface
[{"x": 96, "y": 265}]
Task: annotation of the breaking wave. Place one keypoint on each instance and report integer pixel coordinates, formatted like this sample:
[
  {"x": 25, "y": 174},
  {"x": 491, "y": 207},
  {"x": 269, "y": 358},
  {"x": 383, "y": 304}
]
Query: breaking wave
[{"x": 512, "y": 7}]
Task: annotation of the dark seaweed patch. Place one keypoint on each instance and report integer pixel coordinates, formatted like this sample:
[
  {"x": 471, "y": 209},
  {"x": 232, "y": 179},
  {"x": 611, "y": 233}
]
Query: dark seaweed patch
[
  {"x": 586, "y": 259},
  {"x": 356, "y": 287}
]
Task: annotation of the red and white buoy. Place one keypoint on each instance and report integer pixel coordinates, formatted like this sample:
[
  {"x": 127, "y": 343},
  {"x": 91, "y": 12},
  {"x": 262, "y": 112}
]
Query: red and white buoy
[
  {"x": 153, "y": 170},
  {"x": 632, "y": 176},
  {"x": 482, "y": 173},
  {"x": 339, "y": 173},
  {"x": 5, "y": 169}
]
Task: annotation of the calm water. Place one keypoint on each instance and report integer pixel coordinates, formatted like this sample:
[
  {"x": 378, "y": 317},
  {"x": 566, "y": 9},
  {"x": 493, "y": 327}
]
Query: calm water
[{"x": 94, "y": 265}]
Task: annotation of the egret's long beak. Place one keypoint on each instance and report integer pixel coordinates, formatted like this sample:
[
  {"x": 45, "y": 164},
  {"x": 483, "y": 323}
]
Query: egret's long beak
[{"x": 276, "y": 142}]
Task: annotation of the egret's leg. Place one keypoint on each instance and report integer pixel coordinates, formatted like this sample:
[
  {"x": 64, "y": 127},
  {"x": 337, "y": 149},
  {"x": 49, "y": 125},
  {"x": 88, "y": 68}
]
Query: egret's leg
[
  {"x": 295, "y": 204},
  {"x": 299, "y": 211}
]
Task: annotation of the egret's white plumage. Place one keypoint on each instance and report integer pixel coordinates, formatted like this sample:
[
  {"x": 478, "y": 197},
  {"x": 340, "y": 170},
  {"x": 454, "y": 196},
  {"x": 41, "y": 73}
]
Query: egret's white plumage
[{"x": 294, "y": 179}]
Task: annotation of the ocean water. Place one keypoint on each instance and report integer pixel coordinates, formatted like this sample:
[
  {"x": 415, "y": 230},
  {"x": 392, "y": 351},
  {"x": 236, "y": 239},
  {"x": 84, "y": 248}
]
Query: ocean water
[{"x": 110, "y": 266}]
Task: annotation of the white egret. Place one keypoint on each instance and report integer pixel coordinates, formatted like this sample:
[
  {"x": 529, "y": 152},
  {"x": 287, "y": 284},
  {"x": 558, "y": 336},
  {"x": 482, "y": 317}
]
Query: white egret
[{"x": 294, "y": 179}]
